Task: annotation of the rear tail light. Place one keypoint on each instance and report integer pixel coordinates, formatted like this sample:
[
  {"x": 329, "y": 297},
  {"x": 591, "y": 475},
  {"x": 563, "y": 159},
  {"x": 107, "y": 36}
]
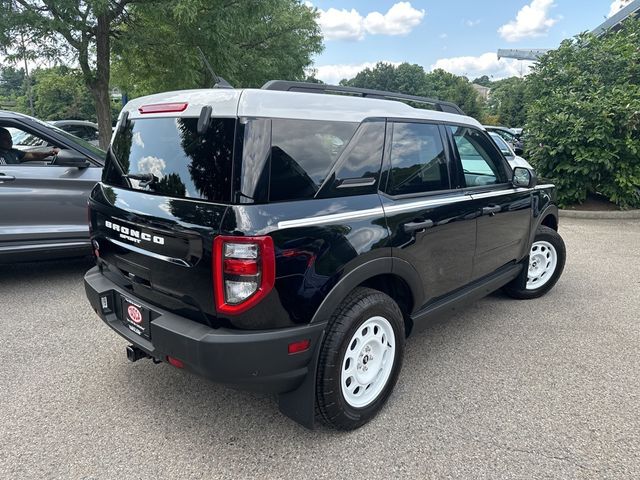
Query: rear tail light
[{"x": 243, "y": 272}]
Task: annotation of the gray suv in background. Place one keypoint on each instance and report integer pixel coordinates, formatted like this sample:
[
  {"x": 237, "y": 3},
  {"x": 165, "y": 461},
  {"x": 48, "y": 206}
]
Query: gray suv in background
[{"x": 43, "y": 211}]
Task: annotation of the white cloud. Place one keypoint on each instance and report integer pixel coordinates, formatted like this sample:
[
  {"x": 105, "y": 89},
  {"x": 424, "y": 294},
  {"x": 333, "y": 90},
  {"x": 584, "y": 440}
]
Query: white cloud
[
  {"x": 531, "y": 21},
  {"x": 152, "y": 165},
  {"x": 472, "y": 23},
  {"x": 485, "y": 64},
  {"x": 332, "y": 74},
  {"x": 443, "y": 36},
  {"x": 616, "y": 5},
  {"x": 345, "y": 24},
  {"x": 341, "y": 24},
  {"x": 399, "y": 20}
]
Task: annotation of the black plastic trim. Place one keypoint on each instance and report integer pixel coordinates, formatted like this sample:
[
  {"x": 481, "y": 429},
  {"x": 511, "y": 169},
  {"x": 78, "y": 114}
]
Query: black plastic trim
[{"x": 289, "y": 86}]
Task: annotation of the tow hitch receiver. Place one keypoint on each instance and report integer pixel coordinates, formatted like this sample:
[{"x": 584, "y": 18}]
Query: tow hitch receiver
[{"x": 134, "y": 353}]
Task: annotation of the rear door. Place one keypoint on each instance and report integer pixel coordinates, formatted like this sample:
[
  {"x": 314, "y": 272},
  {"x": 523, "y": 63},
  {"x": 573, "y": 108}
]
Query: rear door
[
  {"x": 432, "y": 221},
  {"x": 504, "y": 211},
  {"x": 156, "y": 237}
]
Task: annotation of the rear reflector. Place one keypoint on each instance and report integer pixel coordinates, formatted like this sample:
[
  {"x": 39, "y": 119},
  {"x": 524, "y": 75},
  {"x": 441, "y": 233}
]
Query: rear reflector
[
  {"x": 175, "y": 362},
  {"x": 163, "y": 108},
  {"x": 298, "y": 347}
]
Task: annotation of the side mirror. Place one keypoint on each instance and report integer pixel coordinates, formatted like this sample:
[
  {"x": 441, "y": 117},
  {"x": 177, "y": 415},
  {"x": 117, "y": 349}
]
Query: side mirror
[
  {"x": 523, "y": 177},
  {"x": 70, "y": 158}
]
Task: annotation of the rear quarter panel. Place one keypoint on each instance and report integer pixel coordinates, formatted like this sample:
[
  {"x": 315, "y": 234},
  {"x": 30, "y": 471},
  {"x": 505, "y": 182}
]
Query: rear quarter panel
[{"x": 317, "y": 243}]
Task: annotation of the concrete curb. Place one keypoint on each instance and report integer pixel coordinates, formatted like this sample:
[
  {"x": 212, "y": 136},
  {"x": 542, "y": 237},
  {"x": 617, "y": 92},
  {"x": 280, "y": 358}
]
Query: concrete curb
[{"x": 613, "y": 215}]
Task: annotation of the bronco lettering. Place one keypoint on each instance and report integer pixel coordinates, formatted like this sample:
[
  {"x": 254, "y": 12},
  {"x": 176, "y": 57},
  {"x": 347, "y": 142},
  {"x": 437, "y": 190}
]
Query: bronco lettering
[{"x": 133, "y": 235}]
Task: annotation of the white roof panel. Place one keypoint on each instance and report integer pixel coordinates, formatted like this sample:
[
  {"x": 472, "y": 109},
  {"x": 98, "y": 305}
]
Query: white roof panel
[{"x": 292, "y": 105}]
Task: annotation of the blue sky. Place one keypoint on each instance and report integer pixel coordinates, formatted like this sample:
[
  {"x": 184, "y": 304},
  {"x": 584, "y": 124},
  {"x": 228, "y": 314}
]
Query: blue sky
[{"x": 461, "y": 36}]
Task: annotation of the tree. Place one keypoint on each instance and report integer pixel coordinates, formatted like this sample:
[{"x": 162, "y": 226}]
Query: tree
[
  {"x": 484, "y": 80},
  {"x": 447, "y": 86},
  {"x": 247, "y": 42},
  {"x": 60, "y": 93},
  {"x": 583, "y": 124},
  {"x": 11, "y": 81},
  {"x": 76, "y": 31},
  {"x": 412, "y": 80},
  {"x": 509, "y": 101}
]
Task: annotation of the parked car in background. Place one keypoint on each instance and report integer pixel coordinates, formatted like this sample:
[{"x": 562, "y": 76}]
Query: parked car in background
[
  {"x": 513, "y": 159},
  {"x": 87, "y": 131},
  {"x": 510, "y": 136},
  {"x": 44, "y": 202}
]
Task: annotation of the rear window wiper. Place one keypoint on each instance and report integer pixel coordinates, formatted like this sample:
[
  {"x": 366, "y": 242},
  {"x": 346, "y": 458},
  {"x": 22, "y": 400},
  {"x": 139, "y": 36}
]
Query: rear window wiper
[{"x": 145, "y": 179}]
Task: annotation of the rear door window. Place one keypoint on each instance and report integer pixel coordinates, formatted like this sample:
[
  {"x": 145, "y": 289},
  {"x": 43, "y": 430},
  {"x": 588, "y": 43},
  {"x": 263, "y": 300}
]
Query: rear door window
[
  {"x": 302, "y": 155},
  {"x": 418, "y": 161},
  {"x": 183, "y": 163}
]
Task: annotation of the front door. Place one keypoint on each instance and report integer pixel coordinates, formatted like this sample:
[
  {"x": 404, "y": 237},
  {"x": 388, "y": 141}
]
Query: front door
[
  {"x": 44, "y": 203},
  {"x": 504, "y": 211}
]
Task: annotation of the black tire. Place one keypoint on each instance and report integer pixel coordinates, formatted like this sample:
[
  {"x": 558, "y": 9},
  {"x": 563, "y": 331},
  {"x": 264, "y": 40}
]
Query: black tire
[
  {"x": 546, "y": 234},
  {"x": 361, "y": 305}
]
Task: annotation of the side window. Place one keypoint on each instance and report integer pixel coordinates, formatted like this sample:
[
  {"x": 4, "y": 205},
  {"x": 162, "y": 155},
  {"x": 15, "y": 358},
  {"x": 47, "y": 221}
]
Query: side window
[
  {"x": 302, "y": 155},
  {"x": 358, "y": 167},
  {"x": 418, "y": 162},
  {"x": 17, "y": 146},
  {"x": 481, "y": 163}
]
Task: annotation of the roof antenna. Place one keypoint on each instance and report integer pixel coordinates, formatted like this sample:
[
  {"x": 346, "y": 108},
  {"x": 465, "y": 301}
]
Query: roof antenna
[{"x": 218, "y": 82}]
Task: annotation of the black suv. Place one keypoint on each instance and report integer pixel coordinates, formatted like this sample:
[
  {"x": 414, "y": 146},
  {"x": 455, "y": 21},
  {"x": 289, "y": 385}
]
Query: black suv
[{"x": 288, "y": 239}]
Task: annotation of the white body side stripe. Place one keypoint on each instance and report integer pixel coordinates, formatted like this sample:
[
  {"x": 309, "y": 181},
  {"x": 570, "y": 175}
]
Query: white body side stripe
[{"x": 398, "y": 208}]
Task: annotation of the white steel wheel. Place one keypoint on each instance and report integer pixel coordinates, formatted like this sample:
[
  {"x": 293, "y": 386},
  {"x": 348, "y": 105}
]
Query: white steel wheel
[
  {"x": 368, "y": 362},
  {"x": 543, "y": 260}
]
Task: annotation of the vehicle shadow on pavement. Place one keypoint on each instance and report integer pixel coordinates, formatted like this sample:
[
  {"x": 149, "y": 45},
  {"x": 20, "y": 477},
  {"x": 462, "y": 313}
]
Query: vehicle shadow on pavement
[{"x": 48, "y": 270}]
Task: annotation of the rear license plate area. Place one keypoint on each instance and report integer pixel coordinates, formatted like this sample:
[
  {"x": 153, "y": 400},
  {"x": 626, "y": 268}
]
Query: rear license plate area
[{"x": 135, "y": 317}]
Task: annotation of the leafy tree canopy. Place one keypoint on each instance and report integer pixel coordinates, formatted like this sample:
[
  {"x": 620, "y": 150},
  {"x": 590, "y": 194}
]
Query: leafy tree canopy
[
  {"x": 413, "y": 80},
  {"x": 508, "y": 101},
  {"x": 165, "y": 44},
  {"x": 71, "y": 31},
  {"x": 60, "y": 93},
  {"x": 583, "y": 123}
]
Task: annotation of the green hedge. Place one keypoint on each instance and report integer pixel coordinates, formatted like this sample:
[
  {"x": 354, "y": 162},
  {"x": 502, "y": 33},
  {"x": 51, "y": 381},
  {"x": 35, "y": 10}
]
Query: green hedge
[{"x": 583, "y": 122}]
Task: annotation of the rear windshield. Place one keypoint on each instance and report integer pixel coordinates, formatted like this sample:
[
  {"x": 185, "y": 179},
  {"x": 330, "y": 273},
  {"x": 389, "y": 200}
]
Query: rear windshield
[{"x": 183, "y": 163}]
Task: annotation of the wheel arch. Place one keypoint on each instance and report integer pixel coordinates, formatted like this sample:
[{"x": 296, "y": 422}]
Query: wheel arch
[
  {"x": 547, "y": 217},
  {"x": 395, "y": 277}
]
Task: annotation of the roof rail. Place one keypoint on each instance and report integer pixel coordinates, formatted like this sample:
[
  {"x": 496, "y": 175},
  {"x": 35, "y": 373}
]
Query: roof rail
[{"x": 306, "y": 87}]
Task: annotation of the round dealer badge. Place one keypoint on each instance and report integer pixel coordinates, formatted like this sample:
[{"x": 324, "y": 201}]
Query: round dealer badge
[{"x": 134, "y": 314}]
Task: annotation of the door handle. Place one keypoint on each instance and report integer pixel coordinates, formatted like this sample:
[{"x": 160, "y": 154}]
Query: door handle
[
  {"x": 492, "y": 210},
  {"x": 413, "y": 226},
  {"x": 6, "y": 178}
]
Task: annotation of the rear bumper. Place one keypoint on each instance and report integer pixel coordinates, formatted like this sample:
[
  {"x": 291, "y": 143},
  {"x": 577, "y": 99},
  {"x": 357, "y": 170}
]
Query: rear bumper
[{"x": 251, "y": 360}]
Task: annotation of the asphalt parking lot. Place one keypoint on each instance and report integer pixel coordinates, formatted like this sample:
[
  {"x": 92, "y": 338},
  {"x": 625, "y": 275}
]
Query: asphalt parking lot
[{"x": 548, "y": 388}]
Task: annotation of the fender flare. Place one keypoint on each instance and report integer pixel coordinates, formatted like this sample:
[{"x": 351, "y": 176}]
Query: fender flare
[
  {"x": 550, "y": 209},
  {"x": 378, "y": 266}
]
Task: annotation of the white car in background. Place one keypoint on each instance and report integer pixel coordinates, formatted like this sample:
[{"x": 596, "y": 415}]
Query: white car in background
[{"x": 513, "y": 159}]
